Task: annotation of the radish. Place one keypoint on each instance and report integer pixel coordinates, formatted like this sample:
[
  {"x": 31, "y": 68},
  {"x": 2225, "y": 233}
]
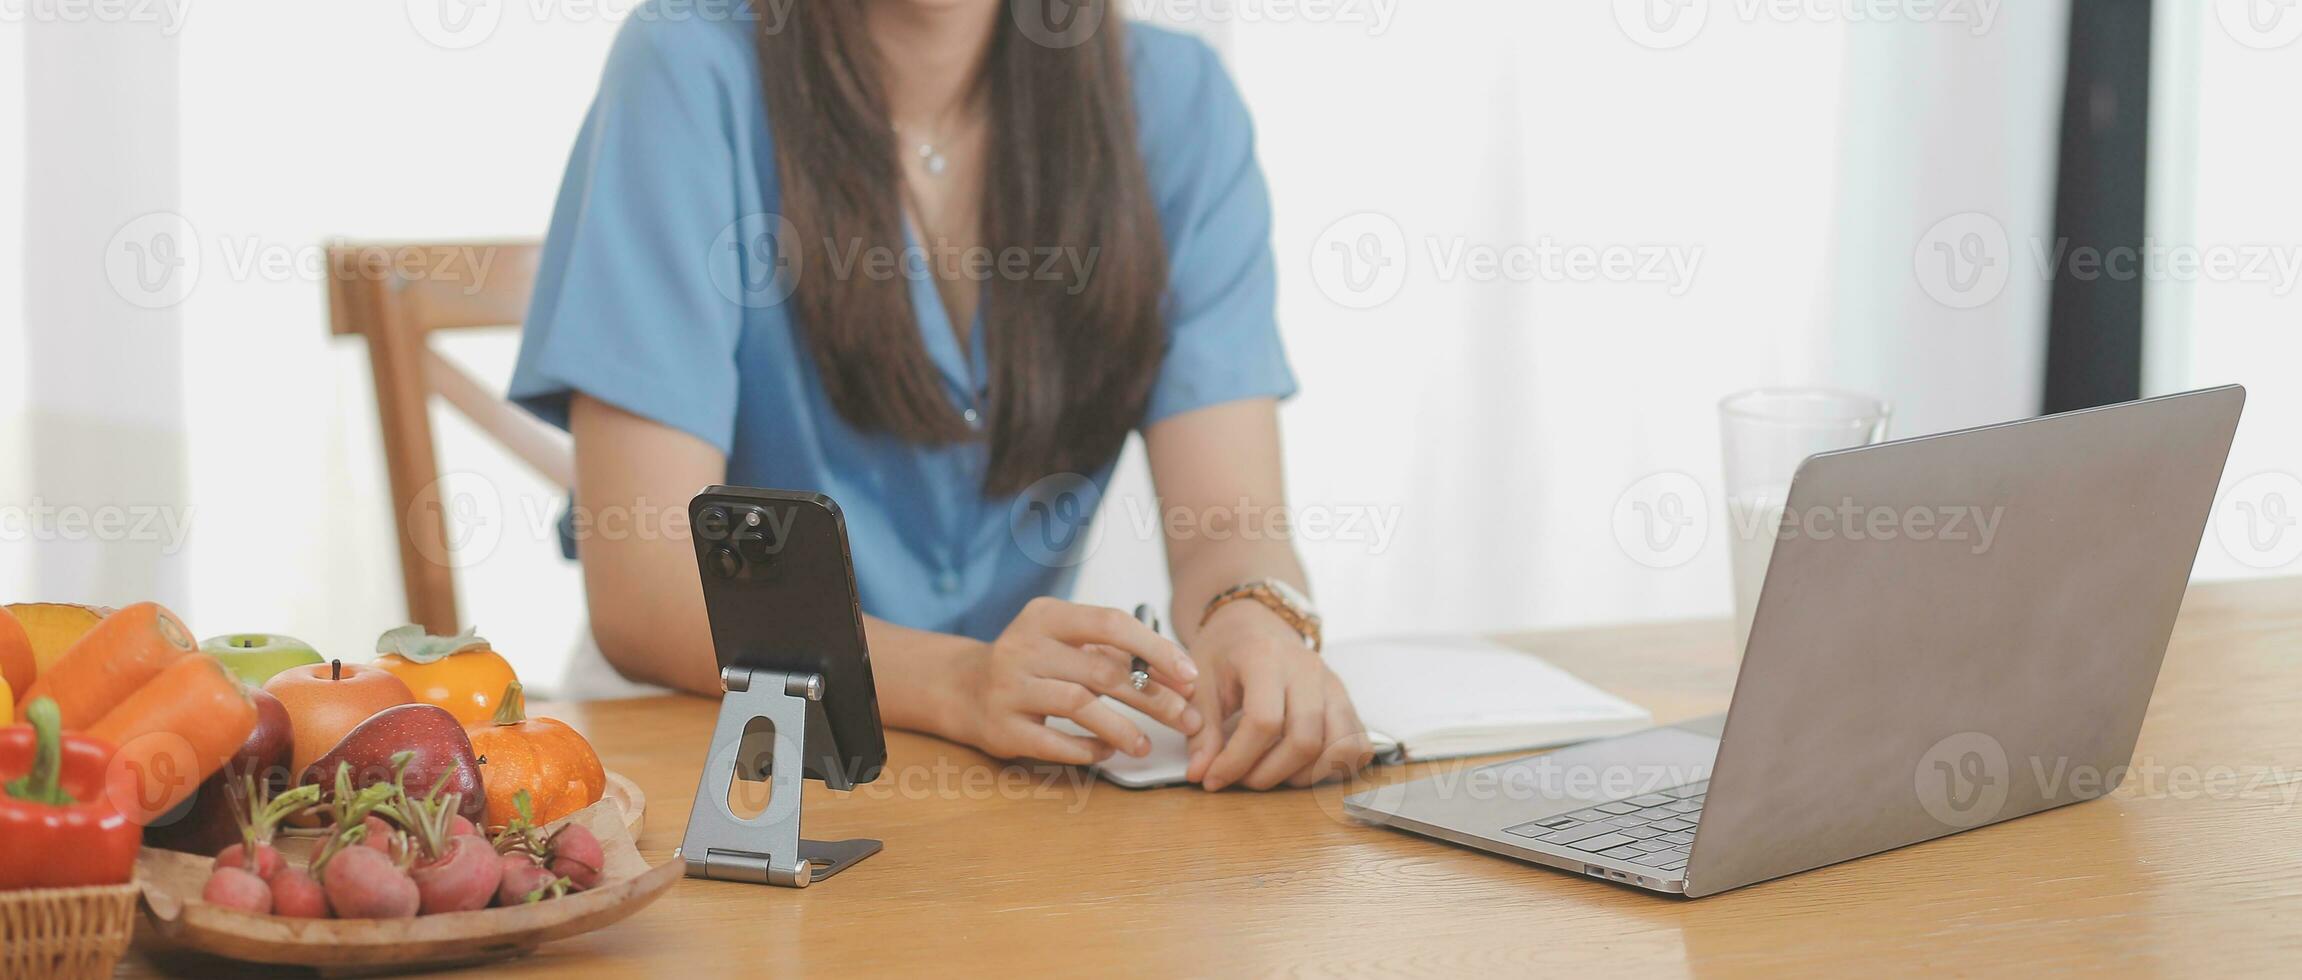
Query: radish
[
  {"x": 358, "y": 881},
  {"x": 295, "y": 893},
  {"x": 237, "y": 888},
  {"x": 381, "y": 834},
  {"x": 526, "y": 881},
  {"x": 364, "y": 884},
  {"x": 453, "y": 873},
  {"x": 527, "y": 875},
  {"x": 259, "y": 814},
  {"x": 267, "y": 861},
  {"x": 464, "y": 877},
  {"x": 576, "y": 855}
]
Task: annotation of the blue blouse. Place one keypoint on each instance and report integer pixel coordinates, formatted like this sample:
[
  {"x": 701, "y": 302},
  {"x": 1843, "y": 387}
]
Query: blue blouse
[{"x": 660, "y": 293}]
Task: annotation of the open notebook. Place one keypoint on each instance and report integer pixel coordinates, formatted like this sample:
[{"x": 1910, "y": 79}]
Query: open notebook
[{"x": 1428, "y": 698}]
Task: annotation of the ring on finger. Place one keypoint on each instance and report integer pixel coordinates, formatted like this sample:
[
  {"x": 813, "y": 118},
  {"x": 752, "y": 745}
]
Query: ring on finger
[{"x": 1139, "y": 673}]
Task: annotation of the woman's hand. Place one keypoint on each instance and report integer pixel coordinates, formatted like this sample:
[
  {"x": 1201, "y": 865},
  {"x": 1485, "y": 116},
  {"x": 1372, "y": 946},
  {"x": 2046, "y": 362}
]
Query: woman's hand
[
  {"x": 1296, "y": 724},
  {"x": 1056, "y": 660}
]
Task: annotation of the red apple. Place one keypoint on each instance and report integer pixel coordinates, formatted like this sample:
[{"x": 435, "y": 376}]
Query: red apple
[
  {"x": 326, "y": 701},
  {"x": 206, "y": 823},
  {"x": 438, "y": 745}
]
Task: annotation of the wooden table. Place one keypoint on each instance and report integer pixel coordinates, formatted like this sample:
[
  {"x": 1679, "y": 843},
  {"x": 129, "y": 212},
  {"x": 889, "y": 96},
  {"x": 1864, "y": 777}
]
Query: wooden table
[{"x": 994, "y": 869}]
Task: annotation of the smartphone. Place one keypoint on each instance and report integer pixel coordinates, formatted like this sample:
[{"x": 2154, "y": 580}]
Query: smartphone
[{"x": 779, "y": 588}]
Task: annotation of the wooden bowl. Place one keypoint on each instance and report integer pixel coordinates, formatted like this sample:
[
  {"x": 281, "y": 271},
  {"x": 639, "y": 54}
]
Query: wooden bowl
[
  {"x": 172, "y": 882},
  {"x": 627, "y": 794}
]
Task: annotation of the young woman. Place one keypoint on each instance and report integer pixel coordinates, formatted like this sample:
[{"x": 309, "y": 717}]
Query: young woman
[{"x": 937, "y": 261}]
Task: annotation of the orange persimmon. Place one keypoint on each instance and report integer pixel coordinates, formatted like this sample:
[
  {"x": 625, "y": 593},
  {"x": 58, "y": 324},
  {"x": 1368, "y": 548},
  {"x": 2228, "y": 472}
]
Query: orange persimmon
[
  {"x": 460, "y": 673},
  {"x": 542, "y": 756},
  {"x": 110, "y": 662}
]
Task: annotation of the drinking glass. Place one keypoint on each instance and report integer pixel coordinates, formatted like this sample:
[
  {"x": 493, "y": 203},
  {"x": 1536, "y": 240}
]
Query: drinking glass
[{"x": 1766, "y": 433}]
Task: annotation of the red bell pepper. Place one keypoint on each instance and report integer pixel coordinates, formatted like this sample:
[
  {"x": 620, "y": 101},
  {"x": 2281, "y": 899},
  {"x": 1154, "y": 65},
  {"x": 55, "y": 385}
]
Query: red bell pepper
[{"x": 58, "y": 825}]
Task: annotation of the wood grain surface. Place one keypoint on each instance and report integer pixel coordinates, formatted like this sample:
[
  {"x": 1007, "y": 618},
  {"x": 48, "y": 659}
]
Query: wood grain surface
[{"x": 2194, "y": 866}]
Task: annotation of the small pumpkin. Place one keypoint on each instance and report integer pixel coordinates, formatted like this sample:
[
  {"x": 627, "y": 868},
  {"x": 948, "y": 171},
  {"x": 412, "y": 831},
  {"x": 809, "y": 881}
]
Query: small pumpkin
[
  {"x": 460, "y": 673},
  {"x": 541, "y": 757}
]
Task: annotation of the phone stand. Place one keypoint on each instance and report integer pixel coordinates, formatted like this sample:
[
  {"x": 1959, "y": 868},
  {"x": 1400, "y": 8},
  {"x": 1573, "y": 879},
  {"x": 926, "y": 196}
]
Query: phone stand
[{"x": 786, "y": 710}]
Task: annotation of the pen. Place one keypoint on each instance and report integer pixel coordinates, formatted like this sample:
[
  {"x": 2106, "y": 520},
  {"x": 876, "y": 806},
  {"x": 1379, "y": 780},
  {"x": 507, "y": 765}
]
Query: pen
[{"x": 1139, "y": 669}]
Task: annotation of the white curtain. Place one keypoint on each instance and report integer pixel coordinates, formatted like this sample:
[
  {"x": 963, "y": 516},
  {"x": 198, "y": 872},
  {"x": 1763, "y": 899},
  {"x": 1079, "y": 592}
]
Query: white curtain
[
  {"x": 15, "y": 408},
  {"x": 95, "y": 504},
  {"x": 1767, "y": 185}
]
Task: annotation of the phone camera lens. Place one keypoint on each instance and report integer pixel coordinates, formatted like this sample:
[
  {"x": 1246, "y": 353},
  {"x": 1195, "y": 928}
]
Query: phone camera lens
[
  {"x": 712, "y": 523},
  {"x": 726, "y": 563},
  {"x": 755, "y": 546}
]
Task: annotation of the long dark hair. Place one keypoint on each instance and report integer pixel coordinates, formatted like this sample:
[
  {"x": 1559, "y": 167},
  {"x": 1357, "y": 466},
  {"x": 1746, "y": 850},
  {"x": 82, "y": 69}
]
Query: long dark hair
[{"x": 1072, "y": 359}]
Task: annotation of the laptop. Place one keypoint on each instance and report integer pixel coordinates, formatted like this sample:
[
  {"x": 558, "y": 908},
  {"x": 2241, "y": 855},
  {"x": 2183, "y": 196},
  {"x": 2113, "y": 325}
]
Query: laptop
[{"x": 1905, "y": 678}]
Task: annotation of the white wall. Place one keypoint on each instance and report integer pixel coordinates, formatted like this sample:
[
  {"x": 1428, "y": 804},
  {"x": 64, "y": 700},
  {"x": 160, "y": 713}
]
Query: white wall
[
  {"x": 2236, "y": 316},
  {"x": 305, "y": 122},
  {"x": 1502, "y": 423}
]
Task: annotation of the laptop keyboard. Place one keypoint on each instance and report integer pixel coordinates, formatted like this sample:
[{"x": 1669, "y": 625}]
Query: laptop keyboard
[{"x": 1654, "y": 829}]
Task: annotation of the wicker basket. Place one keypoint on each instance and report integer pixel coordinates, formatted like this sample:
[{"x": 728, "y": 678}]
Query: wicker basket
[{"x": 65, "y": 932}]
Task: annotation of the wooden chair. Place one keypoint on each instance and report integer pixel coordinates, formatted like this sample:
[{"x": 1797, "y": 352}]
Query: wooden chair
[{"x": 396, "y": 295}]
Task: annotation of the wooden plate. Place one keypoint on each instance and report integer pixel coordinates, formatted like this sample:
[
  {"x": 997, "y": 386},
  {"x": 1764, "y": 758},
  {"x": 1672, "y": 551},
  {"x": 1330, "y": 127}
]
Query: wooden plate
[
  {"x": 171, "y": 884},
  {"x": 627, "y": 794}
]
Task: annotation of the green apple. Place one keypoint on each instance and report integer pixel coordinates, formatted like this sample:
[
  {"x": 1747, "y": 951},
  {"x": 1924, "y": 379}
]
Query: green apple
[{"x": 255, "y": 657}]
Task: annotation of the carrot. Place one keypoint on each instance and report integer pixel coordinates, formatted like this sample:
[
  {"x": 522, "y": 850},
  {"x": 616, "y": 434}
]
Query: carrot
[
  {"x": 116, "y": 657},
  {"x": 173, "y": 732}
]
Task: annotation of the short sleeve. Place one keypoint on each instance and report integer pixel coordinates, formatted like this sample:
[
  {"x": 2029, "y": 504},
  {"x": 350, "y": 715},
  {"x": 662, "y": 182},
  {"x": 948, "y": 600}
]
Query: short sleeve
[
  {"x": 1215, "y": 211},
  {"x": 628, "y": 307}
]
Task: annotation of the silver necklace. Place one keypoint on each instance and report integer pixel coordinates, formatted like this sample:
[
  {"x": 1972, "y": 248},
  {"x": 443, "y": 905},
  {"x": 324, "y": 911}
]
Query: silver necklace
[
  {"x": 930, "y": 151},
  {"x": 931, "y": 158}
]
